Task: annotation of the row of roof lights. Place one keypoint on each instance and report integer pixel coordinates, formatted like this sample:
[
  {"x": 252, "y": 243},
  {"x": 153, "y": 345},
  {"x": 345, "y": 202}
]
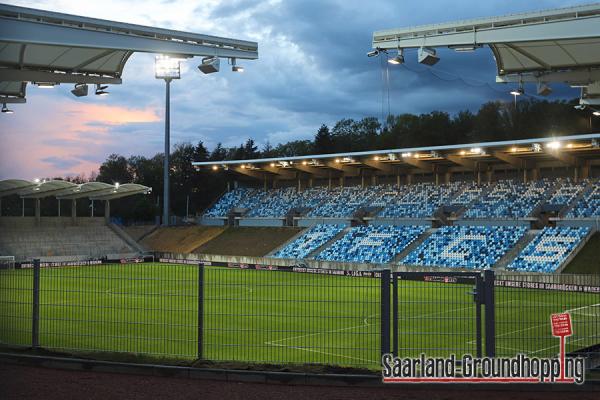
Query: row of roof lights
[{"x": 536, "y": 147}]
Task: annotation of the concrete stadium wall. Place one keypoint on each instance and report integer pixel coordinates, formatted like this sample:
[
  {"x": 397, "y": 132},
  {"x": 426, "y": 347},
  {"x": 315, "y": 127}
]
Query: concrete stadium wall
[
  {"x": 51, "y": 221},
  {"x": 276, "y": 222},
  {"x": 404, "y": 221},
  {"x": 308, "y": 222},
  {"x": 212, "y": 221}
]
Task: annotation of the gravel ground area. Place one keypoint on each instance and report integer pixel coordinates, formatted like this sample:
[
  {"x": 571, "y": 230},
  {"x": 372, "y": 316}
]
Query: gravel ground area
[{"x": 24, "y": 382}]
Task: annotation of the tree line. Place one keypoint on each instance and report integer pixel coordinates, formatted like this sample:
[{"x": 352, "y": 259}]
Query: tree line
[{"x": 494, "y": 121}]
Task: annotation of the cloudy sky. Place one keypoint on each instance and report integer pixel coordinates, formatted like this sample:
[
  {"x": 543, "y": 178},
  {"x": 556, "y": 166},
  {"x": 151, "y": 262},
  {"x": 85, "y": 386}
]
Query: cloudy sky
[{"x": 312, "y": 69}]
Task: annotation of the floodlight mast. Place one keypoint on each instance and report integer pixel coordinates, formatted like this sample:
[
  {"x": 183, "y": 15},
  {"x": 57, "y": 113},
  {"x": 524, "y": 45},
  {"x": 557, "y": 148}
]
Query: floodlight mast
[{"x": 166, "y": 68}]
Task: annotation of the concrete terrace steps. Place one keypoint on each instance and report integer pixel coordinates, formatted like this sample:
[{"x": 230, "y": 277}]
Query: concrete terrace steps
[
  {"x": 416, "y": 243},
  {"x": 516, "y": 250}
]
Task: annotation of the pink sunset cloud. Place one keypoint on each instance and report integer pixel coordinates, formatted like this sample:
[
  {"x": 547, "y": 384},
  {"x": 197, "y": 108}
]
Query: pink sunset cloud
[{"x": 60, "y": 137}]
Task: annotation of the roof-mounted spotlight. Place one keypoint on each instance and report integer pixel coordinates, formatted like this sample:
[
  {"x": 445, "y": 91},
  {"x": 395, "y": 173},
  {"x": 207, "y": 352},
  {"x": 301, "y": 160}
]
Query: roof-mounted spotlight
[
  {"x": 427, "y": 56},
  {"x": 236, "y": 68},
  {"x": 553, "y": 145},
  {"x": 596, "y": 113},
  {"x": 518, "y": 91},
  {"x": 6, "y": 110},
  {"x": 209, "y": 65},
  {"x": 214, "y": 168},
  {"x": 399, "y": 59},
  {"x": 46, "y": 85},
  {"x": 579, "y": 107},
  {"x": 543, "y": 89},
  {"x": 117, "y": 185},
  {"x": 373, "y": 53},
  {"x": 465, "y": 48},
  {"x": 536, "y": 147},
  {"x": 81, "y": 89},
  {"x": 101, "y": 90}
]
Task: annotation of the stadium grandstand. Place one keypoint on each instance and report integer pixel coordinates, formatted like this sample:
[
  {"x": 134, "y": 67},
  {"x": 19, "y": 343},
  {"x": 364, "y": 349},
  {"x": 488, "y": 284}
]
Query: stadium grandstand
[
  {"x": 65, "y": 238},
  {"x": 525, "y": 205}
]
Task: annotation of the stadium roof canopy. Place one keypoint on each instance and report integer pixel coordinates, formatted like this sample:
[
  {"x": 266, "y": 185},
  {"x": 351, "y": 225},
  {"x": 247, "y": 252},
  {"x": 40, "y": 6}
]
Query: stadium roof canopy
[
  {"x": 559, "y": 45},
  {"x": 68, "y": 190},
  {"x": 51, "y": 48},
  {"x": 570, "y": 151}
]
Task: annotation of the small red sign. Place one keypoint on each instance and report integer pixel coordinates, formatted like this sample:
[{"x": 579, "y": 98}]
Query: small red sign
[{"x": 561, "y": 325}]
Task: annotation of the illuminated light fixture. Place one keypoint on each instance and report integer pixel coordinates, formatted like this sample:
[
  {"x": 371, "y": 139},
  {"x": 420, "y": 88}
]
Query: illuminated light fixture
[
  {"x": 399, "y": 59},
  {"x": 272, "y": 164},
  {"x": 101, "y": 90},
  {"x": 337, "y": 160},
  {"x": 518, "y": 91},
  {"x": 214, "y": 167},
  {"x": 476, "y": 150},
  {"x": 80, "y": 90},
  {"x": 243, "y": 166},
  {"x": 236, "y": 68},
  {"x": 347, "y": 160},
  {"x": 466, "y": 48},
  {"x": 462, "y": 152},
  {"x": 46, "y": 85},
  {"x": 6, "y": 110},
  {"x": 376, "y": 158},
  {"x": 405, "y": 155},
  {"x": 596, "y": 113},
  {"x": 166, "y": 67},
  {"x": 209, "y": 65},
  {"x": 427, "y": 56},
  {"x": 434, "y": 154},
  {"x": 36, "y": 180},
  {"x": 513, "y": 149},
  {"x": 543, "y": 89},
  {"x": 570, "y": 146},
  {"x": 553, "y": 145},
  {"x": 536, "y": 147},
  {"x": 304, "y": 162},
  {"x": 417, "y": 155},
  {"x": 117, "y": 185}
]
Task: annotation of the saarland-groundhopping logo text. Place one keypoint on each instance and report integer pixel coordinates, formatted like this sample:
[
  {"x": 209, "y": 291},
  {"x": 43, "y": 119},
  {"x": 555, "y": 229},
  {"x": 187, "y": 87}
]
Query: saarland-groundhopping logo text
[{"x": 469, "y": 369}]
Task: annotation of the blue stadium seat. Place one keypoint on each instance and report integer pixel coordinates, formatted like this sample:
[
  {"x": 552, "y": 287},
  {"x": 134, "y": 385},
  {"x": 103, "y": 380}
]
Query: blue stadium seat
[
  {"x": 418, "y": 201},
  {"x": 371, "y": 244},
  {"x": 510, "y": 200},
  {"x": 473, "y": 247},
  {"x": 588, "y": 206},
  {"x": 549, "y": 249},
  {"x": 309, "y": 241}
]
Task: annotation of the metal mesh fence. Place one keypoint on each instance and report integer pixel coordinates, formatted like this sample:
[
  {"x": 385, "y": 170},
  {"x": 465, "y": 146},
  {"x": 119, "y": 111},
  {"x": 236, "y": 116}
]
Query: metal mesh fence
[
  {"x": 16, "y": 299},
  {"x": 525, "y": 302},
  {"x": 286, "y": 317},
  {"x": 436, "y": 314}
]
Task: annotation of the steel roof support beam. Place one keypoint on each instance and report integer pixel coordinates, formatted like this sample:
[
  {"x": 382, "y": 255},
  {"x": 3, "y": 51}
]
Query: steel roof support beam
[
  {"x": 12, "y": 100},
  {"x": 22, "y": 31},
  {"x": 514, "y": 161},
  {"x": 378, "y": 165},
  {"x": 23, "y": 75}
]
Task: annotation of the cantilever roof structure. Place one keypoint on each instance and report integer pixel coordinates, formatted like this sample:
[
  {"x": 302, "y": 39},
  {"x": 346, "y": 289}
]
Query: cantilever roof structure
[
  {"x": 559, "y": 45},
  {"x": 49, "y": 47},
  {"x": 560, "y": 151},
  {"x": 68, "y": 190}
]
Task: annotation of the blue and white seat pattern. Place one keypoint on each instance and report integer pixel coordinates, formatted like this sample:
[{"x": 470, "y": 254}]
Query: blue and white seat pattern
[
  {"x": 228, "y": 201},
  {"x": 567, "y": 192},
  {"x": 549, "y": 249},
  {"x": 419, "y": 201},
  {"x": 510, "y": 199},
  {"x": 474, "y": 247},
  {"x": 371, "y": 244},
  {"x": 588, "y": 206},
  {"x": 309, "y": 241}
]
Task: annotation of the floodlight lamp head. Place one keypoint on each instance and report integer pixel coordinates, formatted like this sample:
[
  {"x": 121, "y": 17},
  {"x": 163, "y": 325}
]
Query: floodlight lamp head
[
  {"x": 101, "y": 90},
  {"x": 166, "y": 67},
  {"x": 6, "y": 110},
  {"x": 427, "y": 56},
  {"x": 579, "y": 107},
  {"x": 398, "y": 59},
  {"x": 236, "y": 68},
  {"x": 80, "y": 90},
  {"x": 209, "y": 65},
  {"x": 373, "y": 53}
]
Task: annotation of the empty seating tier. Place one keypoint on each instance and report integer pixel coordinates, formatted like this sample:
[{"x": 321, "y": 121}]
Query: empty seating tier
[
  {"x": 465, "y": 246},
  {"x": 309, "y": 241},
  {"x": 549, "y": 249},
  {"x": 371, "y": 244}
]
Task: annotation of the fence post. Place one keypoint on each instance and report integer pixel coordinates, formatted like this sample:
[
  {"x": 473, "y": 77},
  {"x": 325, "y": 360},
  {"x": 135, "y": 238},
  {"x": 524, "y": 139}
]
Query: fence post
[
  {"x": 490, "y": 313},
  {"x": 35, "y": 309},
  {"x": 385, "y": 311},
  {"x": 200, "y": 309},
  {"x": 395, "y": 314}
]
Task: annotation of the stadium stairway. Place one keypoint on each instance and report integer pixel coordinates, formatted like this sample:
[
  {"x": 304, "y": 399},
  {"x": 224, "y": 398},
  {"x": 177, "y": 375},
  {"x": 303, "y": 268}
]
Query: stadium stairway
[
  {"x": 516, "y": 250},
  {"x": 328, "y": 243},
  {"x": 127, "y": 238},
  {"x": 413, "y": 245}
]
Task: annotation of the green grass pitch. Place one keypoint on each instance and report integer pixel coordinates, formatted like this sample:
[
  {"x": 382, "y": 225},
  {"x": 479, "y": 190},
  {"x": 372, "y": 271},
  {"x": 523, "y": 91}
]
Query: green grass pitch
[{"x": 272, "y": 316}]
